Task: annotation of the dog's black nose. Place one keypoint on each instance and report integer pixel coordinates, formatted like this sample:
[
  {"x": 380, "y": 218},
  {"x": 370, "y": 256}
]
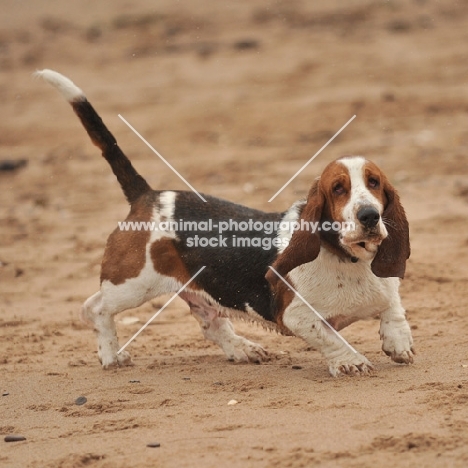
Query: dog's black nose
[{"x": 368, "y": 216}]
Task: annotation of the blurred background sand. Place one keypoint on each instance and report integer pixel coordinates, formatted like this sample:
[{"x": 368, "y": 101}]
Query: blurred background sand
[{"x": 237, "y": 96}]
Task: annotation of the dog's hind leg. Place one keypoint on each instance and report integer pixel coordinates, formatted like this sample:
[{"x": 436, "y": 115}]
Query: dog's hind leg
[
  {"x": 100, "y": 312},
  {"x": 220, "y": 331},
  {"x": 101, "y": 308},
  {"x": 117, "y": 295}
]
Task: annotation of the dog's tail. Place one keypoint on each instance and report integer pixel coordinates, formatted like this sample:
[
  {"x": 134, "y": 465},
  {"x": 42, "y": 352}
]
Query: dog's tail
[{"x": 132, "y": 183}]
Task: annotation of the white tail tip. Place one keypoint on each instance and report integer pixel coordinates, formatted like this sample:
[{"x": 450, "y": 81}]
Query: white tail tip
[{"x": 69, "y": 90}]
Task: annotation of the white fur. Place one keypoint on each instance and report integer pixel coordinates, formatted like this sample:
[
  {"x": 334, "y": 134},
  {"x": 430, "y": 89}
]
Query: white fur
[
  {"x": 69, "y": 90},
  {"x": 356, "y": 294},
  {"x": 167, "y": 201},
  {"x": 164, "y": 214},
  {"x": 290, "y": 217}
]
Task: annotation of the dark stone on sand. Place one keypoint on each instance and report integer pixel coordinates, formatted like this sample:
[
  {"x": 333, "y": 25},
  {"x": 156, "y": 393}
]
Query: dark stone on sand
[
  {"x": 153, "y": 445},
  {"x": 81, "y": 400},
  {"x": 14, "y": 438}
]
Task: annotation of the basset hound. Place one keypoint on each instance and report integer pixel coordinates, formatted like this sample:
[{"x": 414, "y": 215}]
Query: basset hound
[{"x": 344, "y": 274}]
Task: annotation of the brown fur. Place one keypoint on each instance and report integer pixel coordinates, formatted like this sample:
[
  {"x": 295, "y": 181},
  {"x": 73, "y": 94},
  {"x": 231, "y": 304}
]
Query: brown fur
[
  {"x": 125, "y": 253},
  {"x": 395, "y": 248},
  {"x": 282, "y": 296},
  {"x": 166, "y": 261}
]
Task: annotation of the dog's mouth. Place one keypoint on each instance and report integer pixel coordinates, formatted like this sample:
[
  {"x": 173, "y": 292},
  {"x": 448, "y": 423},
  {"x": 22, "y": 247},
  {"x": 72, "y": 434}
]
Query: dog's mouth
[
  {"x": 362, "y": 245},
  {"x": 369, "y": 245}
]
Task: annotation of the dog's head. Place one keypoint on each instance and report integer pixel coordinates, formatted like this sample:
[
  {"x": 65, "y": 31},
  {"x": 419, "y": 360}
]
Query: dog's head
[{"x": 358, "y": 215}]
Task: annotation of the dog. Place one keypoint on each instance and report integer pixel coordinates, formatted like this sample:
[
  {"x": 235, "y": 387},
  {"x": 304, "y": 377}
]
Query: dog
[{"x": 276, "y": 276}]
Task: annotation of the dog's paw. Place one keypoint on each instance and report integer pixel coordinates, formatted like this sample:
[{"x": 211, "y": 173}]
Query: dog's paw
[
  {"x": 124, "y": 359},
  {"x": 356, "y": 365},
  {"x": 247, "y": 351},
  {"x": 401, "y": 357},
  {"x": 255, "y": 352},
  {"x": 398, "y": 344},
  {"x": 111, "y": 361}
]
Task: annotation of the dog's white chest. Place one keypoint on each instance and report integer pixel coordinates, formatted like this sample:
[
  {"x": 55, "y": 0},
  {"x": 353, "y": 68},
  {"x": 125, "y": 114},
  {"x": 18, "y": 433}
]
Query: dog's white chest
[{"x": 334, "y": 287}]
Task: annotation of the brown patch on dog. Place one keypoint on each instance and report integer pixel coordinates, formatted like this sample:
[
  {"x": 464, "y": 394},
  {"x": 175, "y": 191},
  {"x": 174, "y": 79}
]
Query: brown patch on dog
[
  {"x": 371, "y": 171},
  {"x": 125, "y": 253},
  {"x": 338, "y": 322},
  {"x": 283, "y": 297},
  {"x": 390, "y": 260},
  {"x": 166, "y": 261},
  {"x": 304, "y": 246},
  {"x": 335, "y": 175}
]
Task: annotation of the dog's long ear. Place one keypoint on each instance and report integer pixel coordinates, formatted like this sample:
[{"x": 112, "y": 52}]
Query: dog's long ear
[
  {"x": 304, "y": 245},
  {"x": 395, "y": 248}
]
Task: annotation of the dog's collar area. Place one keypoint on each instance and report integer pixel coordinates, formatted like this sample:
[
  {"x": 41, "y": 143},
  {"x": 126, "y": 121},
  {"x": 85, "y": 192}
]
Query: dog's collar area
[{"x": 332, "y": 244}]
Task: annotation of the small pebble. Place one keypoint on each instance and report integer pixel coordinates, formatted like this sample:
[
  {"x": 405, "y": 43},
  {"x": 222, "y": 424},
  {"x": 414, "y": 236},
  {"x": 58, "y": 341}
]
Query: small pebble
[
  {"x": 14, "y": 438},
  {"x": 81, "y": 400},
  {"x": 134, "y": 381},
  {"x": 153, "y": 444},
  {"x": 185, "y": 378},
  {"x": 297, "y": 367},
  {"x": 232, "y": 402},
  {"x": 5, "y": 394}
]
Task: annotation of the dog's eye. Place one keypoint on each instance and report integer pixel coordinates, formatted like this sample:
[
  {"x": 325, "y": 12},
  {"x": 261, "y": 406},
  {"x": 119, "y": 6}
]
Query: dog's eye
[
  {"x": 373, "y": 182},
  {"x": 338, "y": 189}
]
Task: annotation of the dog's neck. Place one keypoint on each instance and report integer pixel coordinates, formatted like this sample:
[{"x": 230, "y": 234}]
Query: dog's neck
[{"x": 330, "y": 241}]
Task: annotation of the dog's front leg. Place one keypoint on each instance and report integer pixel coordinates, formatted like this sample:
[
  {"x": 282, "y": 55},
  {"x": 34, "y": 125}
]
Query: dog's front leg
[
  {"x": 341, "y": 359},
  {"x": 395, "y": 333}
]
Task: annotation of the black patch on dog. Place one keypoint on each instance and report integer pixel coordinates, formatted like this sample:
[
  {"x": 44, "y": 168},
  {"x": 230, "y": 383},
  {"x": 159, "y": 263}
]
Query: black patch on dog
[{"x": 234, "y": 275}]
